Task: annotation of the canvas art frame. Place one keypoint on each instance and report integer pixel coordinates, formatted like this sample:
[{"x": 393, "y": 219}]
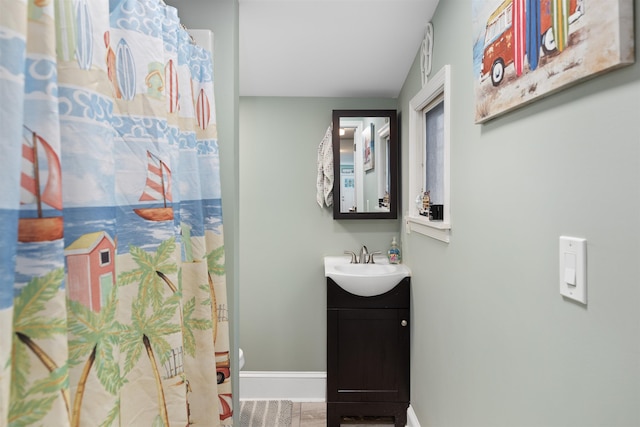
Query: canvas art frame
[{"x": 528, "y": 49}]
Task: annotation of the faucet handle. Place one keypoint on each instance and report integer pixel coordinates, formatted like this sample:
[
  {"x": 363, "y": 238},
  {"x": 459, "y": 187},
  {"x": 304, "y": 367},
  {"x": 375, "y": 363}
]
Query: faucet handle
[
  {"x": 354, "y": 260},
  {"x": 371, "y": 260}
]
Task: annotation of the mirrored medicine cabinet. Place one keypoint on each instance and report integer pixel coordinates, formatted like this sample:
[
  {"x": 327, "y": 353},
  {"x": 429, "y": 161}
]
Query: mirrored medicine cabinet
[{"x": 366, "y": 164}]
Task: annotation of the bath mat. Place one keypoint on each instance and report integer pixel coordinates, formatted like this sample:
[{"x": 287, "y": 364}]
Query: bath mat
[{"x": 265, "y": 413}]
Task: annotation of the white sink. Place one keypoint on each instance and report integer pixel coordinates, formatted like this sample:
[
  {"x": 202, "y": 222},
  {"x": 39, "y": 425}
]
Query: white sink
[{"x": 365, "y": 280}]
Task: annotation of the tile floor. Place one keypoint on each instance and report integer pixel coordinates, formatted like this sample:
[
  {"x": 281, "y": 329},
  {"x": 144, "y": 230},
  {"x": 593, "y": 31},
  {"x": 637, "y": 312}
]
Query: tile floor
[{"x": 314, "y": 414}]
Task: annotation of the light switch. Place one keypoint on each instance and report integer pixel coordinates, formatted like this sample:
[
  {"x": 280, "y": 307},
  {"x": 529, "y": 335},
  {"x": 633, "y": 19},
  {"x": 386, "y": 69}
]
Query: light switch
[
  {"x": 573, "y": 268},
  {"x": 570, "y": 268}
]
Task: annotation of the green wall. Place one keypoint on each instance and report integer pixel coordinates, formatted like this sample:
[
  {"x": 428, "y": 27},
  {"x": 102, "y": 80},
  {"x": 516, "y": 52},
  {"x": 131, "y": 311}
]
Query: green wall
[
  {"x": 493, "y": 342},
  {"x": 284, "y": 234}
]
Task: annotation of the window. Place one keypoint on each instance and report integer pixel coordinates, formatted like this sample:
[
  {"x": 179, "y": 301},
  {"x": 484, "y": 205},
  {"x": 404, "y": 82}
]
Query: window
[
  {"x": 105, "y": 257},
  {"x": 429, "y": 136},
  {"x": 433, "y": 157}
]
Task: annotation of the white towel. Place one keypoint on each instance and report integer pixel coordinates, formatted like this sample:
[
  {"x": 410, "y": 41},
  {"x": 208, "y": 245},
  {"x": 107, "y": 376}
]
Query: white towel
[{"x": 324, "y": 181}]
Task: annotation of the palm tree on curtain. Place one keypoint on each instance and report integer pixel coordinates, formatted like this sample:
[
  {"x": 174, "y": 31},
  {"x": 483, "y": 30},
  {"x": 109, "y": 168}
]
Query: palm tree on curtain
[
  {"x": 147, "y": 332},
  {"x": 152, "y": 314},
  {"x": 213, "y": 261},
  {"x": 31, "y": 402},
  {"x": 215, "y": 265},
  {"x": 152, "y": 272},
  {"x": 95, "y": 335},
  {"x": 189, "y": 323},
  {"x": 212, "y": 258}
]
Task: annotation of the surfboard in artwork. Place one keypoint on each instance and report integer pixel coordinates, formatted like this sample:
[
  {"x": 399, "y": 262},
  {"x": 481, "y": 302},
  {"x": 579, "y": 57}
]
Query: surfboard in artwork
[
  {"x": 560, "y": 23},
  {"x": 203, "y": 109},
  {"x": 533, "y": 33},
  {"x": 84, "y": 35},
  {"x": 65, "y": 30},
  {"x": 125, "y": 70},
  {"x": 172, "y": 87},
  {"x": 519, "y": 35}
]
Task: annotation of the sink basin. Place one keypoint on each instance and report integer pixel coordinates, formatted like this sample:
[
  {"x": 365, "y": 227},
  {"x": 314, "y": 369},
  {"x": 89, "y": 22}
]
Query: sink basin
[{"x": 365, "y": 280}]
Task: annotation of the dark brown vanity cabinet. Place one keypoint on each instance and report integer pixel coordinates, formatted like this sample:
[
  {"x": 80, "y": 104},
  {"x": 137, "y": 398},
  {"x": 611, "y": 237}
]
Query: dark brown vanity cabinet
[{"x": 367, "y": 354}]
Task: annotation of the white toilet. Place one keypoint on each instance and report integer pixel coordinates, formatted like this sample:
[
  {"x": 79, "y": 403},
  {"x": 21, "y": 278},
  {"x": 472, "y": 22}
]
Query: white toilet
[{"x": 241, "y": 359}]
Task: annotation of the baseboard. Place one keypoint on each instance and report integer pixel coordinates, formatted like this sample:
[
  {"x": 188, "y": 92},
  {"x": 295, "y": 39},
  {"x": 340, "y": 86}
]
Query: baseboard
[
  {"x": 412, "y": 419},
  {"x": 294, "y": 386}
]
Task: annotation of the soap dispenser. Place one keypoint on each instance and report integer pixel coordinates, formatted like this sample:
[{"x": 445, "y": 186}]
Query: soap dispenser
[{"x": 394, "y": 252}]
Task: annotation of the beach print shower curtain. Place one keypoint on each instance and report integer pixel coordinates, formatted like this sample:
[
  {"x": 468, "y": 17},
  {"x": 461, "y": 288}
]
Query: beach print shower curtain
[{"x": 112, "y": 287}]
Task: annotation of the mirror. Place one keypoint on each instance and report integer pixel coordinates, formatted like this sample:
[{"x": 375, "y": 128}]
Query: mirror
[{"x": 365, "y": 158}]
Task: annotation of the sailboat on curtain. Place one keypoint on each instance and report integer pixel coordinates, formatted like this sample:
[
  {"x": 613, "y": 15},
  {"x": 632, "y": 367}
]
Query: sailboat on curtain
[
  {"x": 156, "y": 189},
  {"x": 40, "y": 228}
]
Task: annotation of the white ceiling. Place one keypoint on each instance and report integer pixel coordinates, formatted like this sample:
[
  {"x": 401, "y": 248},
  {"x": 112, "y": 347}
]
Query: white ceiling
[{"x": 329, "y": 48}]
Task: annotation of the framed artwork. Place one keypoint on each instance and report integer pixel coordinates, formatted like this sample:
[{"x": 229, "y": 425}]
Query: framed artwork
[
  {"x": 526, "y": 49},
  {"x": 369, "y": 147}
]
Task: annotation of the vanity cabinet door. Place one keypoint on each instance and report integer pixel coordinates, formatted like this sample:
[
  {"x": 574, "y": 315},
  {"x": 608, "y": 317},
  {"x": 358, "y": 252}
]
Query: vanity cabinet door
[{"x": 370, "y": 352}]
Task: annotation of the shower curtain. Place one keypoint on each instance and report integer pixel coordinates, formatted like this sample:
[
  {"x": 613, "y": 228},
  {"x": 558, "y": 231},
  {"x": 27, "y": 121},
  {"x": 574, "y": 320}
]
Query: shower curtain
[{"x": 113, "y": 297}]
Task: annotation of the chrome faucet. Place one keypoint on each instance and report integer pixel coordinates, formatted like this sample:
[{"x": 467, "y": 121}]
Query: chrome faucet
[
  {"x": 364, "y": 258},
  {"x": 364, "y": 255}
]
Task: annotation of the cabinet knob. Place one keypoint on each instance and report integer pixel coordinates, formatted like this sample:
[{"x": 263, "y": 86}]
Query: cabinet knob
[{"x": 404, "y": 323}]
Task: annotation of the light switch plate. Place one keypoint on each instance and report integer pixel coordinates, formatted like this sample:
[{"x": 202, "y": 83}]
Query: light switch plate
[{"x": 573, "y": 268}]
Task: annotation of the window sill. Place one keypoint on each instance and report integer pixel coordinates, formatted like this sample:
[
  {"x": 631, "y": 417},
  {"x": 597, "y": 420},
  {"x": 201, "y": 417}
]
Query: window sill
[{"x": 438, "y": 230}]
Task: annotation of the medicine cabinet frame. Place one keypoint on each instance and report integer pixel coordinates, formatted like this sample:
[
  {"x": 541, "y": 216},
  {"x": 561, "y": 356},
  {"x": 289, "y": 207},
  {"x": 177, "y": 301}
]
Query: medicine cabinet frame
[
  {"x": 387, "y": 132},
  {"x": 436, "y": 90}
]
